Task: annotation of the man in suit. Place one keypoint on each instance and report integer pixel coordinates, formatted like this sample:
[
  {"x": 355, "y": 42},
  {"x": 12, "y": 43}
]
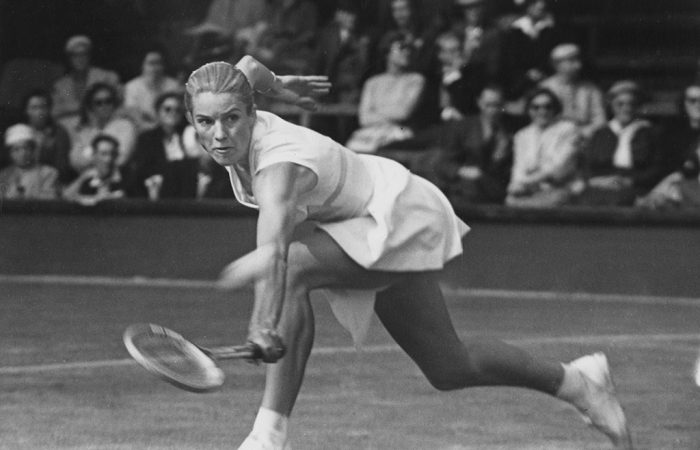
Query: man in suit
[{"x": 477, "y": 152}]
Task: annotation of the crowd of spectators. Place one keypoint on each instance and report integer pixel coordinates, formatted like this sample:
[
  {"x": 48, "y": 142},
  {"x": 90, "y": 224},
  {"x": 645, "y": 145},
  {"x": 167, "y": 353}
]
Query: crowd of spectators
[{"x": 501, "y": 99}]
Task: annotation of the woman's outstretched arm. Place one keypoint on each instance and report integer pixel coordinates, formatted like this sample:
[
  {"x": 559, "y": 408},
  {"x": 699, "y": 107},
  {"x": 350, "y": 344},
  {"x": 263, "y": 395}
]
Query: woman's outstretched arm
[
  {"x": 277, "y": 190},
  {"x": 298, "y": 90}
]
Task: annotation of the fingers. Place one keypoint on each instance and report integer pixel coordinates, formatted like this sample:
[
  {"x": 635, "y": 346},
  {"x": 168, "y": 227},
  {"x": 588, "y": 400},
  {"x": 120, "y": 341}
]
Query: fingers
[
  {"x": 307, "y": 103},
  {"x": 268, "y": 345}
]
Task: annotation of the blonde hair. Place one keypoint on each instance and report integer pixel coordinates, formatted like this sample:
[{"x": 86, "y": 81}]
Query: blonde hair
[{"x": 219, "y": 77}]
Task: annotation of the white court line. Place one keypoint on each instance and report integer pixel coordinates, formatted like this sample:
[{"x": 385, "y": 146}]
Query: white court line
[
  {"x": 79, "y": 280},
  {"x": 372, "y": 349}
]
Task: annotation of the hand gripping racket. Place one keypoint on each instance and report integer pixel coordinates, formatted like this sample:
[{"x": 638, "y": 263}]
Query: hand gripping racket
[{"x": 173, "y": 358}]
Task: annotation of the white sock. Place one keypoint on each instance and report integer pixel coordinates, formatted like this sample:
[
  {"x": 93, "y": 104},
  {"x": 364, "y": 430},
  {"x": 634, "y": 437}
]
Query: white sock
[
  {"x": 271, "y": 425},
  {"x": 572, "y": 385}
]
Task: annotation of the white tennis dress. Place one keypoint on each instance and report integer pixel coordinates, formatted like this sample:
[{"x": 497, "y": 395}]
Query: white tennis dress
[{"x": 381, "y": 215}]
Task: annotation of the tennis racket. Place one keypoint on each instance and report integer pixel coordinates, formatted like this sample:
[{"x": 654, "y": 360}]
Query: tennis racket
[{"x": 173, "y": 358}]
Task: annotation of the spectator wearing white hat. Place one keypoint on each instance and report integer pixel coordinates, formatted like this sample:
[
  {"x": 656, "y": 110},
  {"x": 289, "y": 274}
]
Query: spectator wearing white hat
[
  {"x": 68, "y": 90},
  {"x": 582, "y": 101},
  {"x": 622, "y": 159},
  {"x": 25, "y": 178}
]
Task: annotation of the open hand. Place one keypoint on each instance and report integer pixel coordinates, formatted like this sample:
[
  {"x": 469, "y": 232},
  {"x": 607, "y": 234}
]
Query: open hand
[{"x": 301, "y": 90}]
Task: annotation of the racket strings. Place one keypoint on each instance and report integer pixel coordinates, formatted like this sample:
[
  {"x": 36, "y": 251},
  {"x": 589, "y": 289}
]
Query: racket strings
[{"x": 173, "y": 356}]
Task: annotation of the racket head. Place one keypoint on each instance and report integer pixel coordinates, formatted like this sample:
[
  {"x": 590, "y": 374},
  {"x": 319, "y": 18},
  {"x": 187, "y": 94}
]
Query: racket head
[{"x": 173, "y": 358}]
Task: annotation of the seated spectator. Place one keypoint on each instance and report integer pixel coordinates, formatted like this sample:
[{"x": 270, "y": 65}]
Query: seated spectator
[
  {"x": 527, "y": 46},
  {"x": 680, "y": 190},
  {"x": 407, "y": 21},
  {"x": 69, "y": 90},
  {"x": 544, "y": 155},
  {"x": 229, "y": 29},
  {"x": 460, "y": 82},
  {"x": 477, "y": 155},
  {"x": 286, "y": 44},
  {"x": 341, "y": 54},
  {"x": 482, "y": 39},
  {"x": 141, "y": 93},
  {"x": 388, "y": 100},
  {"x": 52, "y": 138},
  {"x": 98, "y": 116},
  {"x": 621, "y": 158},
  {"x": 582, "y": 100},
  {"x": 681, "y": 140},
  {"x": 102, "y": 180},
  {"x": 25, "y": 178},
  {"x": 166, "y": 160}
]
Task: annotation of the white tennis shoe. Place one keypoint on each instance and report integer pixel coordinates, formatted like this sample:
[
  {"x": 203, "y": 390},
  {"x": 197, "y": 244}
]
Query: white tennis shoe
[
  {"x": 598, "y": 403},
  {"x": 258, "y": 442}
]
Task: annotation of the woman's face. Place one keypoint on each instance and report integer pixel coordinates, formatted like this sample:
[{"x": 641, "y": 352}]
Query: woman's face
[
  {"x": 691, "y": 101},
  {"x": 153, "y": 65},
  {"x": 223, "y": 126},
  {"x": 541, "y": 111},
  {"x": 400, "y": 54},
  {"x": 38, "y": 111},
  {"x": 103, "y": 105},
  {"x": 23, "y": 154},
  {"x": 537, "y": 10},
  {"x": 401, "y": 12},
  {"x": 625, "y": 107},
  {"x": 170, "y": 113}
]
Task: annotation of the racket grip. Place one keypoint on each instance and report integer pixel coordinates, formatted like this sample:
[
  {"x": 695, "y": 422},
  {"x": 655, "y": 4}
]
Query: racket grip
[{"x": 247, "y": 351}]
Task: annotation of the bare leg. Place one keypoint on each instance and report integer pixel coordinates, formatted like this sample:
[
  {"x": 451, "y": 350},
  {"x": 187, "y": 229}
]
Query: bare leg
[
  {"x": 415, "y": 315},
  {"x": 314, "y": 261}
]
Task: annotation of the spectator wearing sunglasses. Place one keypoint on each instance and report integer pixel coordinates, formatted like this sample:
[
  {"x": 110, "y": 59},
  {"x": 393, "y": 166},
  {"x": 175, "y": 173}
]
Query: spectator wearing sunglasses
[
  {"x": 388, "y": 100},
  {"x": 621, "y": 158},
  {"x": 166, "y": 160},
  {"x": 544, "y": 155},
  {"x": 98, "y": 116}
]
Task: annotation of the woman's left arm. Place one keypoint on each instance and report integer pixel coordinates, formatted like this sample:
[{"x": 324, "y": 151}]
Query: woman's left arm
[
  {"x": 277, "y": 189},
  {"x": 298, "y": 90}
]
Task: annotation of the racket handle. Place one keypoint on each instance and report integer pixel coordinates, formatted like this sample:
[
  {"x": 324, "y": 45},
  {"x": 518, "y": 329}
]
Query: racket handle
[{"x": 247, "y": 351}]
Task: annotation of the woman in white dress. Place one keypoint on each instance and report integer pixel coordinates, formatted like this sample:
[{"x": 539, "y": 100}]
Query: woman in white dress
[{"x": 378, "y": 228}]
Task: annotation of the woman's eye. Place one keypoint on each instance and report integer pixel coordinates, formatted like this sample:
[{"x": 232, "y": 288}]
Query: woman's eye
[
  {"x": 231, "y": 119},
  {"x": 204, "y": 122}
]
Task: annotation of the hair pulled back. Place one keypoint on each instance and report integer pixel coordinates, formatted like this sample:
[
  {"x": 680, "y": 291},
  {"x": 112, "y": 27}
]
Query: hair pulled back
[{"x": 219, "y": 77}]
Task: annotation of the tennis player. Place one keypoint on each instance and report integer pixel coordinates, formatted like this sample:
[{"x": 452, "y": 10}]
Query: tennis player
[{"x": 379, "y": 229}]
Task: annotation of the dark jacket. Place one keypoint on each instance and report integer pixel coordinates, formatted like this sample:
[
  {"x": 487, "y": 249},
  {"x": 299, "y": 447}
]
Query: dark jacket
[
  {"x": 647, "y": 162},
  {"x": 345, "y": 63},
  {"x": 149, "y": 158},
  {"x": 465, "y": 145}
]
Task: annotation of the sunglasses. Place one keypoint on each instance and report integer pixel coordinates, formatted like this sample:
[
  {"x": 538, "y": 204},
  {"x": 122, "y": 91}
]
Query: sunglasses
[
  {"x": 103, "y": 101},
  {"x": 620, "y": 103},
  {"x": 541, "y": 106},
  {"x": 170, "y": 109},
  {"x": 693, "y": 100}
]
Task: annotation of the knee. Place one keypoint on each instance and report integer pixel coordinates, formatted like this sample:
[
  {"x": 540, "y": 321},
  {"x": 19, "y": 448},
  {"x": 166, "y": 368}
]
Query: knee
[
  {"x": 448, "y": 380},
  {"x": 298, "y": 275}
]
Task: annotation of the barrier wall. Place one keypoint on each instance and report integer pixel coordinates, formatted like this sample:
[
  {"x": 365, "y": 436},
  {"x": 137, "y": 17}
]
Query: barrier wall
[{"x": 571, "y": 250}]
